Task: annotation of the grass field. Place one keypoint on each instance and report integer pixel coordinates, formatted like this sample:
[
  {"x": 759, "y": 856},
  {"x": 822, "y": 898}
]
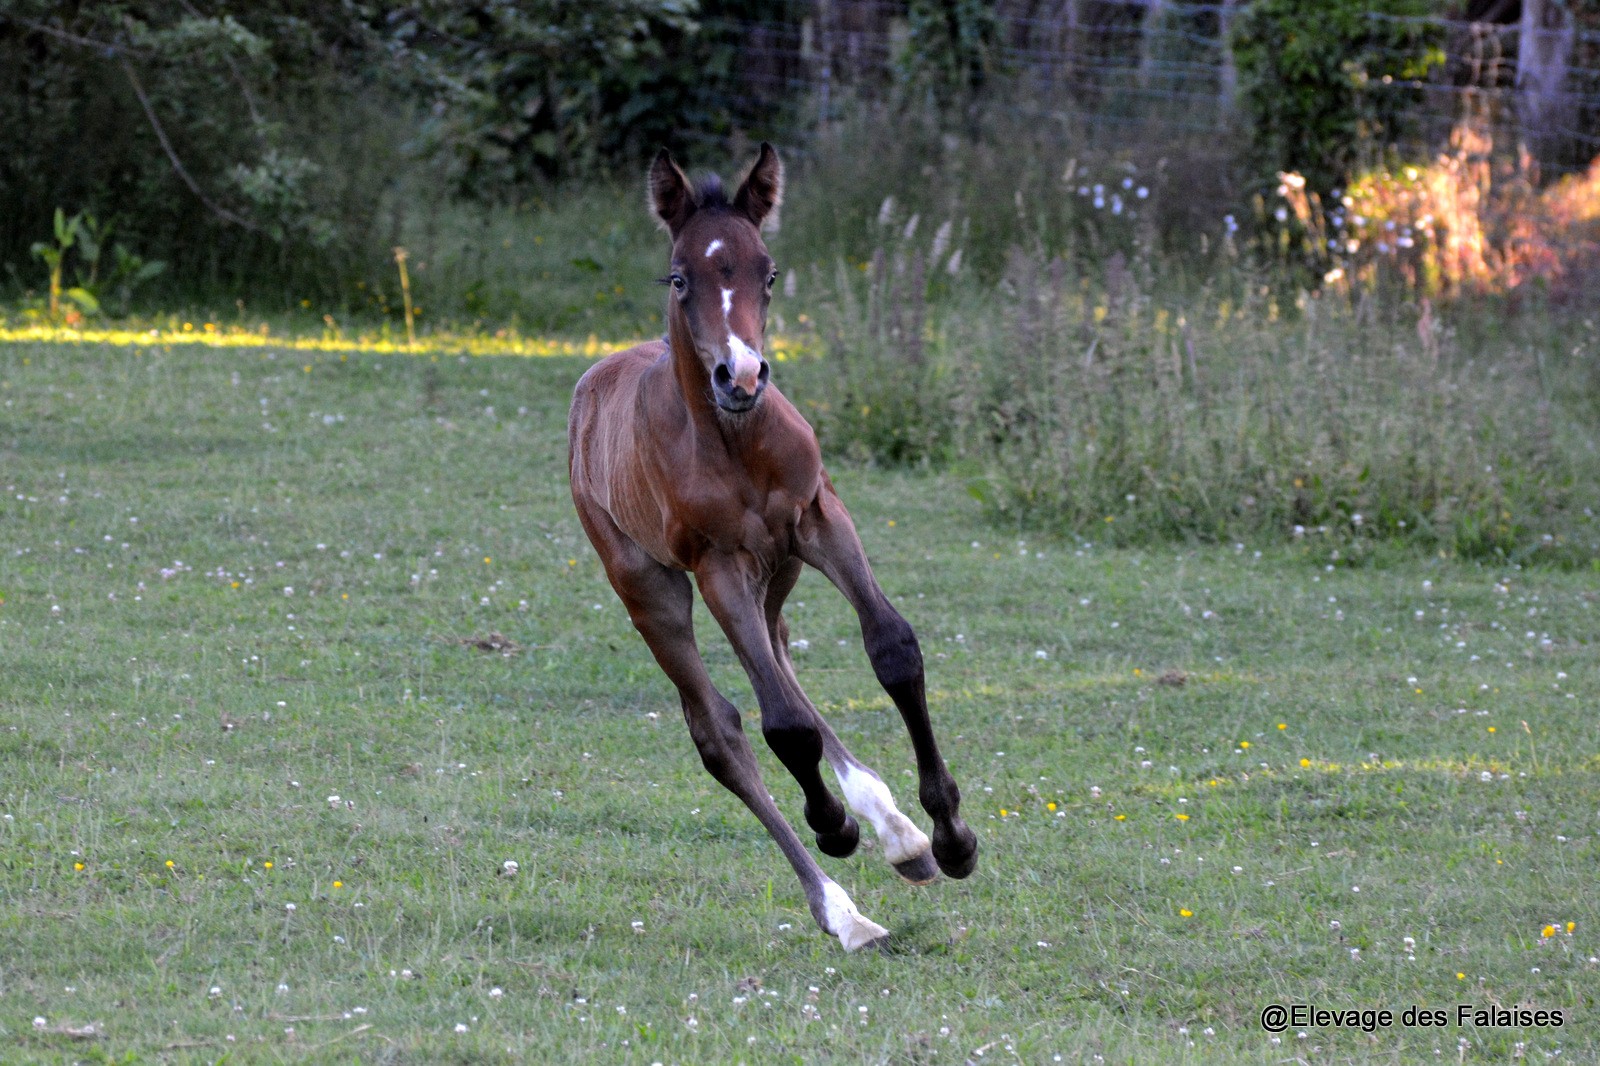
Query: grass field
[{"x": 298, "y": 649}]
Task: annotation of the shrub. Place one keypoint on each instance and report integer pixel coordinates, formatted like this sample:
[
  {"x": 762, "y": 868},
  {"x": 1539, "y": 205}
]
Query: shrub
[
  {"x": 1097, "y": 403},
  {"x": 1323, "y": 80}
]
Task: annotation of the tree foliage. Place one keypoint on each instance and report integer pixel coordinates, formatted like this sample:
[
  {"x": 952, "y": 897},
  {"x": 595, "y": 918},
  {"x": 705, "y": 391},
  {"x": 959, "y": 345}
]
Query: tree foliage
[
  {"x": 255, "y": 143},
  {"x": 951, "y": 49},
  {"x": 1323, "y": 80}
]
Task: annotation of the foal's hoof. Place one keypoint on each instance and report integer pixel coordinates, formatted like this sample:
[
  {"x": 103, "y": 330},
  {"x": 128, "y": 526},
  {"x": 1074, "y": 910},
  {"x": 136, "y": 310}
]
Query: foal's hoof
[
  {"x": 879, "y": 945},
  {"x": 842, "y": 843},
  {"x": 919, "y": 870},
  {"x": 864, "y": 935},
  {"x": 955, "y": 850}
]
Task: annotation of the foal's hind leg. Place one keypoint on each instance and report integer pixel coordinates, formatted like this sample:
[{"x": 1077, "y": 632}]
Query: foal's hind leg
[
  {"x": 827, "y": 540},
  {"x": 905, "y": 846},
  {"x": 736, "y": 597},
  {"x": 660, "y": 602}
]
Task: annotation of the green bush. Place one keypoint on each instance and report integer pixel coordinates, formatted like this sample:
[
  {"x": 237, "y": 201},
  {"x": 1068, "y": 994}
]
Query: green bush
[
  {"x": 1322, "y": 81},
  {"x": 280, "y": 149}
]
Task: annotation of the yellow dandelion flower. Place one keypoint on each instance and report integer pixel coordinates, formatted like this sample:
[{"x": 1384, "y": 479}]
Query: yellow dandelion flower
[
  {"x": 487, "y": 560},
  {"x": 1491, "y": 729},
  {"x": 1418, "y": 691},
  {"x": 891, "y": 523},
  {"x": 1304, "y": 763},
  {"x": 235, "y": 584},
  {"x": 1137, "y": 672},
  {"x": 1186, "y": 912},
  {"x": 77, "y": 866},
  {"x": 267, "y": 865},
  {"x": 1461, "y": 976},
  {"x": 1049, "y": 806},
  {"x": 1548, "y": 931},
  {"x": 1570, "y": 927},
  {"x": 1122, "y": 817},
  {"x": 1244, "y": 743},
  {"x": 1183, "y": 817},
  {"x": 1003, "y": 812},
  {"x": 1283, "y": 725},
  {"x": 169, "y": 864},
  {"x": 338, "y": 884}
]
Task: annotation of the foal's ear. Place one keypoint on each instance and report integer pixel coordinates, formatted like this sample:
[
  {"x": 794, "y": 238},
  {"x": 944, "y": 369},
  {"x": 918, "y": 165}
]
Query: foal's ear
[
  {"x": 762, "y": 190},
  {"x": 671, "y": 196}
]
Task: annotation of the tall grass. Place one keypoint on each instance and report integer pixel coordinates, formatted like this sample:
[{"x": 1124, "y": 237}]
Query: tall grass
[
  {"x": 1083, "y": 330},
  {"x": 1103, "y": 382}
]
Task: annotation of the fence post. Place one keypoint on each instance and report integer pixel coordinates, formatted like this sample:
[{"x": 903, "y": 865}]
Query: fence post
[
  {"x": 1544, "y": 52},
  {"x": 1228, "y": 74}
]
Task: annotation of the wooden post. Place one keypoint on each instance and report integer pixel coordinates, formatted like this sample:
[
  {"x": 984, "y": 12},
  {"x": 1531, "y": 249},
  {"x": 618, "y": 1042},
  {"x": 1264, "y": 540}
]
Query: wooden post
[
  {"x": 1544, "y": 53},
  {"x": 405, "y": 292},
  {"x": 1154, "y": 15},
  {"x": 1228, "y": 73}
]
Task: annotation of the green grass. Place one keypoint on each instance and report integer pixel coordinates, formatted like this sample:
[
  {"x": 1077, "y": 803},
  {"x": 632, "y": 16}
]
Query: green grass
[{"x": 1437, "y": 751}]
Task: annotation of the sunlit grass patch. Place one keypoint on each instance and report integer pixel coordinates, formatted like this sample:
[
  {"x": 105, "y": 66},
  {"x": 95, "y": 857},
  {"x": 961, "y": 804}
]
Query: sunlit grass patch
[
  {"x": 433, "y": 344},
  {"x": 210, "y": 335}
]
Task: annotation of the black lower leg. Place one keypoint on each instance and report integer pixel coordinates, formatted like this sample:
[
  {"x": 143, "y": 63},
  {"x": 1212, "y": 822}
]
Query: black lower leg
[
  {"x": 955, "y": 846},
  {"x": 799, "y": 748}
]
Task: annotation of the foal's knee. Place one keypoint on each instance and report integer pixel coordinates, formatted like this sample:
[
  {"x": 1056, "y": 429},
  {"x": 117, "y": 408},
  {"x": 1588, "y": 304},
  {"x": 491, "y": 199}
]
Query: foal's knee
[{"x": 892, "y": 646}]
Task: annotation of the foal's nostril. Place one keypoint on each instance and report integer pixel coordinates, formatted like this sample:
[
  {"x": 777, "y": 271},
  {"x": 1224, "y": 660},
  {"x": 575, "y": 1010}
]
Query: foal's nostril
[{"x": 741, "y": 391}]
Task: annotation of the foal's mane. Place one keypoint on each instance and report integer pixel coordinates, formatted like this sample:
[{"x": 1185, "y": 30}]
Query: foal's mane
[{"x": 709, "y": 193}]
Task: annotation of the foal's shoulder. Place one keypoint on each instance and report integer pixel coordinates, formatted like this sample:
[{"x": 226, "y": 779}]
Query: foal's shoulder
[{"x": 626, "y": 363}]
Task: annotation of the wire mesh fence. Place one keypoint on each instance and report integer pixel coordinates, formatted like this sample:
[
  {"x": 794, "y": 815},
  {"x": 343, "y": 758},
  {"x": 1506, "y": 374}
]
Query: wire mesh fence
[{"x": 1167, "y": 65}]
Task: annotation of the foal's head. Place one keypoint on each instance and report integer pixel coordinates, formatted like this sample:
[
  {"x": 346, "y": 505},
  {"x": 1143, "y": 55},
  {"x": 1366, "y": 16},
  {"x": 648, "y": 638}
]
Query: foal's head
[{"x": 721, "y": 275}]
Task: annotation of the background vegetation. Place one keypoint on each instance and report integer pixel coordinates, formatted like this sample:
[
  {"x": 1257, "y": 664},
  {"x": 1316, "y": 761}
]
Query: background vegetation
[{"x": 1328, "y": 291}]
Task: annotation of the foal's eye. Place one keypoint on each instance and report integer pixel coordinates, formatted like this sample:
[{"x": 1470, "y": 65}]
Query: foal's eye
[
  {"x": 677, "y": 282},
  {"x": 772, "y": 279}
]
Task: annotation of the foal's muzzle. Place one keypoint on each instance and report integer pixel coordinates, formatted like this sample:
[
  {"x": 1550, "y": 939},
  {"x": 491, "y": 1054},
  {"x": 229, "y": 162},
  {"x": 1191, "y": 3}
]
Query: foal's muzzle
[{"x": 737, "y": 396}]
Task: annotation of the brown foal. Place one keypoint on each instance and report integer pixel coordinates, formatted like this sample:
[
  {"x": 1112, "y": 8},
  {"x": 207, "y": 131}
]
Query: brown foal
[{"x": 684, "y": 460}]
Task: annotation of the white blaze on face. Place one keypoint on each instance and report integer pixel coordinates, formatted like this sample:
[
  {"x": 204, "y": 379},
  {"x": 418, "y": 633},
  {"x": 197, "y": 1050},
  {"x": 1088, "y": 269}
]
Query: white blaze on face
[
  {"x": 869, "y": 797},
  {"x": 744, "y": 362},
  {"x": 844, "y": 921},
  {"x": 713, "y": 247}
]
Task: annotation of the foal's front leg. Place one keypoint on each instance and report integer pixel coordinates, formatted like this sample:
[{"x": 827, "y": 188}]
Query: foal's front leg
[
  {"x": 737, "y": 599},
  {"x": 827, "y": 540}
]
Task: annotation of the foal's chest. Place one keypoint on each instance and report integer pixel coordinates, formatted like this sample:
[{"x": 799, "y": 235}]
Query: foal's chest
[{"x": 740, "y": 516}]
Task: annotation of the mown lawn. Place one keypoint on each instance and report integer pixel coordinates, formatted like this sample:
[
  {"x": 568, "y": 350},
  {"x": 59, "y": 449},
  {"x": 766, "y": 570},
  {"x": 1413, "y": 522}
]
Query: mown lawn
[{"x": 297, "y": 650}]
